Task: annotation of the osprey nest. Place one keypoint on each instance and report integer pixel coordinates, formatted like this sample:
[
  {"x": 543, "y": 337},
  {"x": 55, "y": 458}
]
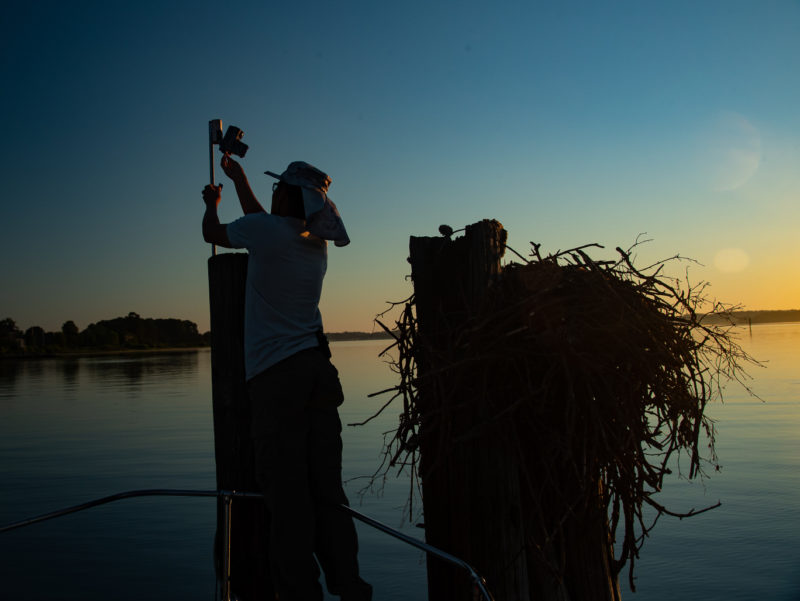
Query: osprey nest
[{"x": 596, "y": 370}]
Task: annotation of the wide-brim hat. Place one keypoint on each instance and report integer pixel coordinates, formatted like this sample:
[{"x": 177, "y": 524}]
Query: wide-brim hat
[{"x": 322, "y": 216}]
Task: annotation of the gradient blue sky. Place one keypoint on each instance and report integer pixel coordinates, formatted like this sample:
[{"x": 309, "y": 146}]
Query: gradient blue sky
[{"x": 568, "y": 122}]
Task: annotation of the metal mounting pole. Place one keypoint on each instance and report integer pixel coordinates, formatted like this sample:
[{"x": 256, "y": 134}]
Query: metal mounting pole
[
  {"x": 214, "y": 137},
  {"x": 211, "y": 164}
]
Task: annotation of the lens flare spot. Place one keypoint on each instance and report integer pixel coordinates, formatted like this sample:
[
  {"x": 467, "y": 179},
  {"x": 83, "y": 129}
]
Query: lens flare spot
[
  {"x": 730, "y": 151},
  {"x": 731, "y": 260}
]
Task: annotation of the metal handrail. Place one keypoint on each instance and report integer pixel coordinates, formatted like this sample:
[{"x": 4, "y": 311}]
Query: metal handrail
[
  {"x": 477, "y": 579},
  {"x": 227, "y": 496}
]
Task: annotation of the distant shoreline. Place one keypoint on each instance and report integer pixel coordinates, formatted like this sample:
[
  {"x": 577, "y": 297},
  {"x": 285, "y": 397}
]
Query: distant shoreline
[
  {"x": 743, "y": 318},
  {"x": 737, "y": 318},
  {"x": 78, "y": 353},
  {"x": 336, "y": 336}
]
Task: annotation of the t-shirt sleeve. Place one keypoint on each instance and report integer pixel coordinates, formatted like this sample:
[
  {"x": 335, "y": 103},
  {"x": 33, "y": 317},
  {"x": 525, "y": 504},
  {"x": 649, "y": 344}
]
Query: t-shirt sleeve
[{"x": 245, "y": 231}]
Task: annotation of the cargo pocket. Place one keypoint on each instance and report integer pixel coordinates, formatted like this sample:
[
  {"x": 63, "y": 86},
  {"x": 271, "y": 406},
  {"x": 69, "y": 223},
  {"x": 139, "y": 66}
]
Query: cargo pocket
[{"x": 328, "y": 391}]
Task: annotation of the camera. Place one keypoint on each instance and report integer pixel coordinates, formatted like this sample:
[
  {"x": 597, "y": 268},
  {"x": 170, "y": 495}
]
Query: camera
[{"x": 232, "y": 143}]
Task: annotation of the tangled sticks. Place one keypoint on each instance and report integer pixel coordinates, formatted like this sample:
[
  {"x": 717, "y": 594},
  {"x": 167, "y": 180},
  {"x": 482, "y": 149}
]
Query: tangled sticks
[{"x": 596, "y": 374}]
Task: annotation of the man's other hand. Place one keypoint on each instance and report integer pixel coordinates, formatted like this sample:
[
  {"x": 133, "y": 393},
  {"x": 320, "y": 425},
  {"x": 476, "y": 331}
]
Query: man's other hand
[{"x": 231, "y": 168}]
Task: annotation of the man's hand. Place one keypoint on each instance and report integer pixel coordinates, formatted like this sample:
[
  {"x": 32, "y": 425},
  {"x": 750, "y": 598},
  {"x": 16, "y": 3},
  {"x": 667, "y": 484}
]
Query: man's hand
[
  {"x": 214, "y": 232},
  {"x": 232, "y": 169},
  {"x": 212, "y": 195},
  {"x": 247, "y": 199}
]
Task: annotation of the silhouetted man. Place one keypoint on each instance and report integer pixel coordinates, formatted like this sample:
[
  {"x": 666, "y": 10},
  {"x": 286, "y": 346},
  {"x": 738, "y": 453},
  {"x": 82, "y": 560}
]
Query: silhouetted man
[{"x": 294, "y": 388}]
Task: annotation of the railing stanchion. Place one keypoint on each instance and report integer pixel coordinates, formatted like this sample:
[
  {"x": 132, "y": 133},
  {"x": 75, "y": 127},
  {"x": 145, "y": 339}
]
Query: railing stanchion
[{"x": 227, "y": 543}]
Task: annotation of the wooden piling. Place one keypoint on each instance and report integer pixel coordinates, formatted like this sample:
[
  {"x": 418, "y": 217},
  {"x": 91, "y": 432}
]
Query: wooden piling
[
  {"x": 470, "y": 495},
  {"x": 233, "y": 447},
  {"x": 474, "y": 503}
]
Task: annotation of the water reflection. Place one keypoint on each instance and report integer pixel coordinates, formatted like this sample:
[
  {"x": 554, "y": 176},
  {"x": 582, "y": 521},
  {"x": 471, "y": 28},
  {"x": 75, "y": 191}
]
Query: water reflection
[
  {"x": 68, "y": 375},
  {"x": 69, "y": 369},
  {"x": 9, "y": 374}
]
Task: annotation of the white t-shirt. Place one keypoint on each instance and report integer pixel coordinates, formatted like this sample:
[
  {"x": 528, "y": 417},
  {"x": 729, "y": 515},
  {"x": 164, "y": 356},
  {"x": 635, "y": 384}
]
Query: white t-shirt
[{"x": 284, "y": 282}]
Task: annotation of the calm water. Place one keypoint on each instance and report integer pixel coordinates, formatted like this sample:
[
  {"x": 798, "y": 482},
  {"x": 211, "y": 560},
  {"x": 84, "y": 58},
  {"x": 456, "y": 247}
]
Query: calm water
[{"x": 73, "y": 430}]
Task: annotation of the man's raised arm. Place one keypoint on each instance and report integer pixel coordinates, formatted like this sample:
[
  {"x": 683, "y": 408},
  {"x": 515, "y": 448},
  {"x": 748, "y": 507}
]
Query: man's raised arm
[
  {"x": 247, "y": 199},
  {"x": 214, "y": 232}
]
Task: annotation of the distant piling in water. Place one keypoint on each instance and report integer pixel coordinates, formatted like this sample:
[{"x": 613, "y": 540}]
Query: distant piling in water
[{"x": 233, "y": 447}]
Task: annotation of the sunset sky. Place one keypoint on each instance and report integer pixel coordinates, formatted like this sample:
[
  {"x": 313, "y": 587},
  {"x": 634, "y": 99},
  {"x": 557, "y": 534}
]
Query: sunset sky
[{"x": 568, "y": 122}]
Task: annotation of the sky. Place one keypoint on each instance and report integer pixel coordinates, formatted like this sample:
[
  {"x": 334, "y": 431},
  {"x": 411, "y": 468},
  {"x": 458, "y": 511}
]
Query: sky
[{"x": 568, "y": 122}]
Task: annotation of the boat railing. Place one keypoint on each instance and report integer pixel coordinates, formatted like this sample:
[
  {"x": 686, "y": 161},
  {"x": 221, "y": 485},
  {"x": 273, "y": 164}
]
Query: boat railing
[{"x": 227, "y": 496}]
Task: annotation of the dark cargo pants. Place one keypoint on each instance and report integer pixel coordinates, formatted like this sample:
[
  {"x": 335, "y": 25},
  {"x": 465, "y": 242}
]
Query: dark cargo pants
[{"x": 297, "y": 434}]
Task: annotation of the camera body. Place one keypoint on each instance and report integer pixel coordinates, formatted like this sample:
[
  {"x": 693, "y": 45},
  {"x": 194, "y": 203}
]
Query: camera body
[{"x": 231, "y": 142}]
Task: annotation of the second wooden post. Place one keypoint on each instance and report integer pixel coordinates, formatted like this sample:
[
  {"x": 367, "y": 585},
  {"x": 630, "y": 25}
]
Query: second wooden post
[
  {"x": 471, "y": 496},
  {"x": 233, "y": 448}
]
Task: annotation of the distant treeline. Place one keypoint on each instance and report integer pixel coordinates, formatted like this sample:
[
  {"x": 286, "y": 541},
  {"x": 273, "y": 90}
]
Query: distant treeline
[
  {"x": 136, "y": 333},
  {"x": 122, "y": 333},
  {"x": 747, "y": 317}
]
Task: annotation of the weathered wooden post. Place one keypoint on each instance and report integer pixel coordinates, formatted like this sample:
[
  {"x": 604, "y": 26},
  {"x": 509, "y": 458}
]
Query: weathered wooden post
[
  {"x": 475, "y": 504},
  {"x": 233, "y": 447},
  {"x": 471, "y": 494}
]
